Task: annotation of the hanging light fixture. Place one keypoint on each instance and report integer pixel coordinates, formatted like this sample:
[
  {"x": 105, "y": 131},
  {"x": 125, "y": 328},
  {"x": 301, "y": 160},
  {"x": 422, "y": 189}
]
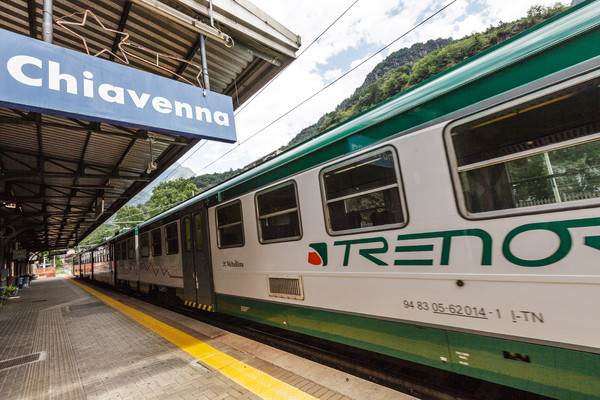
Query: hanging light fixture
[{"x": 152, "y": 164}]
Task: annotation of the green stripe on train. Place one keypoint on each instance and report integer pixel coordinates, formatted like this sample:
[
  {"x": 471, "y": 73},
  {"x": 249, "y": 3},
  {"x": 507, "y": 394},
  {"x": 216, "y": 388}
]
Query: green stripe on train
[{"x": 540, "y": 369}]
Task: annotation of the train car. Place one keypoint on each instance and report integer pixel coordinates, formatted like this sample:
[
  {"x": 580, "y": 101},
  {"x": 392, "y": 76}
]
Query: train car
[
  {"x": 76, "y": 265},
  {"x": 156, "y": 250},
  {"x": 126, "y": 268},
  {"x": 85, "y": 265},
  {"x": 455, "y": 225},
  {"x": 102, "y": 265}
]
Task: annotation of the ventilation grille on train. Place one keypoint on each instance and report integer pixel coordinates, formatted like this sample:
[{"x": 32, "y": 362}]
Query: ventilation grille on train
[{"x": 289, "y": 287}]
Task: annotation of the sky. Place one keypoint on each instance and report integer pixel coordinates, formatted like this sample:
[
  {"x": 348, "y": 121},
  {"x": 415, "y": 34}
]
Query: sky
[{"x": 366, "y": 28}]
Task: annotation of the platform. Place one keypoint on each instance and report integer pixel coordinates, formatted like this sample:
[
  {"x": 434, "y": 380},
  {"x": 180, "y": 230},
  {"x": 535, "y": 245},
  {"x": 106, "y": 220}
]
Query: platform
[{"x": 63, "y": 340}]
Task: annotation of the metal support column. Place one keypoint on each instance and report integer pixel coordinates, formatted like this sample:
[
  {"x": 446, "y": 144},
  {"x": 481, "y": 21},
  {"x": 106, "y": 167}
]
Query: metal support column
[
  {"x": 204, "y": 63},
  {"x": 47, "y": 28}
]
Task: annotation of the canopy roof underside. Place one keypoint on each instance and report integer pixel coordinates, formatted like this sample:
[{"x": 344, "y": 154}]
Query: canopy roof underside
[{"x": 60, "y": 177}]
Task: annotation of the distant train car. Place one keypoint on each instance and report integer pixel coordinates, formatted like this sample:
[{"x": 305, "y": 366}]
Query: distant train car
[
  {"x": 102, "y": 270},
  {"x": 455, "y": 225},
  {"x": 85, "y": 265},
  {"x": 75, "y": 266}
]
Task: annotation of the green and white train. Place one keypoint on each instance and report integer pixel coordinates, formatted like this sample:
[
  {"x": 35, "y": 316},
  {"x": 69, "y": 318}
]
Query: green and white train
[{"x": 456, "y": 225}]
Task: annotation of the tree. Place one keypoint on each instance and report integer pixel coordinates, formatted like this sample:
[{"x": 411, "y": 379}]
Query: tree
[
  {"x": 129, "y": 216},
  {"x": 54, "y": 260},
  {"x": 206, "y": 181},
  {"x": 103, "y": 231},
  {"x": 168, "y": 194}
]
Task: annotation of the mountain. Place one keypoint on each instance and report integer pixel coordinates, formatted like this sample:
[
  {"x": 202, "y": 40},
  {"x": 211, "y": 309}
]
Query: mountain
[
  {"x": 399, "y": 71},
  {"x": 410, "y": 66}
]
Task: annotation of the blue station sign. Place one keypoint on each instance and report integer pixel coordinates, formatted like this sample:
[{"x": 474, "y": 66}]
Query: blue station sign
[{"x": 41, "y": 77}]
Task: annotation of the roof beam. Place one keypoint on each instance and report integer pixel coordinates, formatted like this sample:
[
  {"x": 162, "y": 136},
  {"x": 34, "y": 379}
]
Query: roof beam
[
  {"x": 185, "y": 20},
  {"x": 189, "y": 57},
  {"x": 31, "y": 6},
  {"x": 7, "y": 150},
  {"x": 38, "y": 199},
  {"x": 121, "y": 28},
  {"x": 258, "y": 25},
  {"x": 16, "y": 175},
  {"x": 95, "y": 128}
]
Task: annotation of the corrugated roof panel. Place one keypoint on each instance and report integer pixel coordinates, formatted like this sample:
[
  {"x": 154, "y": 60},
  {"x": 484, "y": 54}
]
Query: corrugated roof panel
[
  {"x": 96, "y": 151},
  {"x": 19, "y": 137},
  {"x": 59, "y": 167},
  {"x": 139, "y": 156},
  {"x": 59, "y": 142},
  {"x": 13, "y": 16}
]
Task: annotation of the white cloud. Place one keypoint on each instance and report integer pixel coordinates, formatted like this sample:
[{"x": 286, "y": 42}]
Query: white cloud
[{"x": 367, "y": 27}]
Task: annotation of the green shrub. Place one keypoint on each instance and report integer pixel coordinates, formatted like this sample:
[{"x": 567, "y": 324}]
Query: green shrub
[
  {"x": 11, "y": 290},
  {"x": 8, "y": 291}
]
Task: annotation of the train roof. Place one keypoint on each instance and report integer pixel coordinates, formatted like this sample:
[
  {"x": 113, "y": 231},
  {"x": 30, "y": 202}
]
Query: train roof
[{"x": 563, "y": 41}]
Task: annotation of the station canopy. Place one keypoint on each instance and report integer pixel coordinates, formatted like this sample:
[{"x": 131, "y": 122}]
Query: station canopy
[{"x": 62, "y": 176}]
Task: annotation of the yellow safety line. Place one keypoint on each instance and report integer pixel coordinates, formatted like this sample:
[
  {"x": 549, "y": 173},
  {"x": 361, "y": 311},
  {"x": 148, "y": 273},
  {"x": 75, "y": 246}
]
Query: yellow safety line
[{"x": 260, "y": 383}]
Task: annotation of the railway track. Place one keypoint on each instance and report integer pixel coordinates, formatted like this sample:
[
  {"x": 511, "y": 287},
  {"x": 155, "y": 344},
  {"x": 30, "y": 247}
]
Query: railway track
[
  {"x": 423, "y": 382},
  {"x": 407, "y": 377}
]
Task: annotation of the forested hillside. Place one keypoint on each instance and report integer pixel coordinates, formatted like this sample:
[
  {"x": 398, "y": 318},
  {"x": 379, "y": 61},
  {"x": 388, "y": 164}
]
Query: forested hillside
[
  {"x": 400, "y": 71},
  {"x": 408, "y": 67}
]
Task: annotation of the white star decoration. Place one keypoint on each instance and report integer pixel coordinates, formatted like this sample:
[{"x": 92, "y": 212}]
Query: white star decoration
[{"x": 64, "y": 23}]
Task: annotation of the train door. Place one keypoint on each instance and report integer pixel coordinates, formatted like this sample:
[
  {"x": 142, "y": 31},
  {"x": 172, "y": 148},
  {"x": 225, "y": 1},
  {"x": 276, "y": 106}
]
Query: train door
[
  {"x": 77, "y": 263},
  {"x": 197, "y": 271},
  {"x": 112, "y": 263}
]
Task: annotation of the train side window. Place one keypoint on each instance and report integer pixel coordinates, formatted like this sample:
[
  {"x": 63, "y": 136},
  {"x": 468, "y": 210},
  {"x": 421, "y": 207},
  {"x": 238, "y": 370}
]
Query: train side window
[
  {"x": 144, "y": 245},
  {"x": 156, "y": 243},
  {"x": 172, "y": 238},
  {"x": 198, "y": 227},
  {"x": 278, "y": 214},
  {"x": 122, "y": 254},
  {"x": 187, "y": 227},
  {"x": 230, "y": 229},
  {"x": 130, "y": 249},
  {"x": 363, "y": 193},
  {"x": 541, "y": 152}
]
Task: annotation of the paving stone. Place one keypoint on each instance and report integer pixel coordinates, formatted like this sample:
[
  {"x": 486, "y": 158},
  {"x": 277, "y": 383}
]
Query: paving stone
[{"x": 93, "y": 351}]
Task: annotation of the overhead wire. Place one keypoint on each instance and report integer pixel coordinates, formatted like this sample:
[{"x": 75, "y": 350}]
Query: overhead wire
[
  {"x": 314, "y": 94},
  {"x": 266, "y": 86},
  {"x": 329, "y": 84},
  {"x": 299, "y": 55}
]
